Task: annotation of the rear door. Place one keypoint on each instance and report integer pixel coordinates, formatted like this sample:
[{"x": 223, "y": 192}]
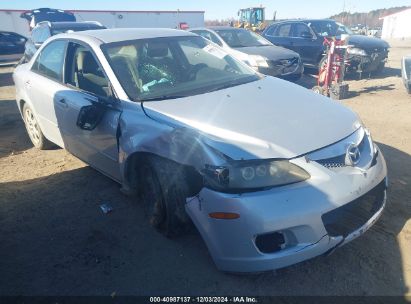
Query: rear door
[
  {"x": 87, "y": 84},
  {"x": 42, "y": 85},
  {"x": 281, "y": 35}
]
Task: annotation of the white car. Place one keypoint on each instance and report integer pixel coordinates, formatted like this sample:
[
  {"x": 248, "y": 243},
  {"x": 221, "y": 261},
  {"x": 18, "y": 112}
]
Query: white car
[
  {"x": 256, "y": 51},
  {"x": 270, "y": 173}
]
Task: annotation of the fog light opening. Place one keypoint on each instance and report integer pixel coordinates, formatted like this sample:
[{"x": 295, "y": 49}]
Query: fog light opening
[{"x": 270, "y": 242}]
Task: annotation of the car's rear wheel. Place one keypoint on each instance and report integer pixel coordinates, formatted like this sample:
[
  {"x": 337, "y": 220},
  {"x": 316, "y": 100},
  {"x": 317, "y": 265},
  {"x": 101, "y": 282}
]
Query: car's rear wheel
[
  {"x": 163, "y": 190},
  {"x": 33, "y": 129}
]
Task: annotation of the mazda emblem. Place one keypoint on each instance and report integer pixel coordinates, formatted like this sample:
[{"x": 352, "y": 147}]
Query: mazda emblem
[{"x": 352, "y": 156}]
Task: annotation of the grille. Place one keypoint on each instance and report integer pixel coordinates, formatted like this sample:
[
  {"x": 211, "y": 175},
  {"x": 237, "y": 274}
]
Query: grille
[
  {"x": 352, "y": 216},
  {"x": 339, "y": 161}
]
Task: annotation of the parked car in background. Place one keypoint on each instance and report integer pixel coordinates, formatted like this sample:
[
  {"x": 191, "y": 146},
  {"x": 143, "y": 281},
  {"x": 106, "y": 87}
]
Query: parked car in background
[
  {"x": 406, "y": 72},
  {"x": 256, "y": 51},
  {"x": 38, "y": 15},
  {"x": 306, "y": 37},
  {"x": 269, "y": 172},
  {"x": 46, "y": 29},
  {"x": 11, "y": 46}
]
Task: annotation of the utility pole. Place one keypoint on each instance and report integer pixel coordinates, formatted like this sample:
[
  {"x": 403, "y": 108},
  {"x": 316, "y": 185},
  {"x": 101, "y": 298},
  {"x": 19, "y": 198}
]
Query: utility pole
[{"x": 343, "y": 19}]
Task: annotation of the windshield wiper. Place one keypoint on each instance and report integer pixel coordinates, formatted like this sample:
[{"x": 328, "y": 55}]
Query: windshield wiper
[
  {"x": 162, "y": 97},
  {"x": 231, "y": 84}
]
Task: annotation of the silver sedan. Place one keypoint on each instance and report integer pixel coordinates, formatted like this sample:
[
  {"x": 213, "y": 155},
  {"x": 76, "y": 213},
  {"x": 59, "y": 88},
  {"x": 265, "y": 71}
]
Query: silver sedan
[{"x": 270, "y": 173}]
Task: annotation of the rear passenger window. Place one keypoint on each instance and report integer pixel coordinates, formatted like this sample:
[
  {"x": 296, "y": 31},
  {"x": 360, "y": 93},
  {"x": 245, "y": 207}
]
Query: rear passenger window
[
  {"x": 301, "y": 29},
  {"x": 283, "y": 30},
  {"x": 50, "y": 61},
  {"x": 270, "y": 31},
  {"x": 208, "y": 35}
]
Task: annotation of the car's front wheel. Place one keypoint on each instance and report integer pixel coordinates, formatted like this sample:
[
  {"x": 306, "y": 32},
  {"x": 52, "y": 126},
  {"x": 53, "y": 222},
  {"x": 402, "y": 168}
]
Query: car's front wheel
[
  {"x": 380, "y": 68},
  {"x": 33, "y": 129},
  {"x": 163, "y": 190}
]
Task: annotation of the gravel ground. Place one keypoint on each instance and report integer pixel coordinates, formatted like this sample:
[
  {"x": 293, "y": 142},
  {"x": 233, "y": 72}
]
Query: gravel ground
[{"x": 56, "y": 241}]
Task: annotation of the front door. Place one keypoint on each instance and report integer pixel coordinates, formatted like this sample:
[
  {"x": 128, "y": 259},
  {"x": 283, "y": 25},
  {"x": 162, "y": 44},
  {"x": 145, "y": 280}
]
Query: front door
[
  {"x": 306, "y": 43},
  {"x": 86, "y": 84}
]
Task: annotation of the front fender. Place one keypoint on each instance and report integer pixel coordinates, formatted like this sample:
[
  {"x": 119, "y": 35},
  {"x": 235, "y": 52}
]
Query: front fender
[{"x": 140, "y": 134}]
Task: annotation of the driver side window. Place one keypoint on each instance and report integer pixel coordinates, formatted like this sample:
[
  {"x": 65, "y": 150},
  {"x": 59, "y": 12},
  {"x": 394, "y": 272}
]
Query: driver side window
[{"x": 84, "y": 72}]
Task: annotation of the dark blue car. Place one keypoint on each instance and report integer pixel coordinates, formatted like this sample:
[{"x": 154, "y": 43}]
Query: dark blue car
[{"x": 306, "y": 37}]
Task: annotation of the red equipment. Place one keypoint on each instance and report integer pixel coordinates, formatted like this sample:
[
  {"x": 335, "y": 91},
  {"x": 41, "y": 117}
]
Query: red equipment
[{"x": 331, "y": 73}]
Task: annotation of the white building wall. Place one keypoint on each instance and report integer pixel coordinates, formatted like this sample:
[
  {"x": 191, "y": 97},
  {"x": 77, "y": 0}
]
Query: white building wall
[
  {"x": 397, "y": 25},
  {"x": 11, "y": 21},
  {"x": 142, "y": 19}
]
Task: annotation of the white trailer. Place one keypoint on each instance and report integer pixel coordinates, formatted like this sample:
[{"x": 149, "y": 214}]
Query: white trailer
[
  {"x": 397, "y": 25},
  {"x": 10, "y": 20}
]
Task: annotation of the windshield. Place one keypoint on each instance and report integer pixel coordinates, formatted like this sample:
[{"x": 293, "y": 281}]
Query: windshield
[
  {"x": 174, "y": 67},
  {"x": 329, "y": 28},
  {"x": 236, "y": 38}
]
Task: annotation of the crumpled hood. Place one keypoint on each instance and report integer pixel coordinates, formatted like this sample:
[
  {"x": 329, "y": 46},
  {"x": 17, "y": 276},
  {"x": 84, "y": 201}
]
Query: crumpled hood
[
  {"x": 269, "y": 118},
  {"x": 270, "y": 52}
]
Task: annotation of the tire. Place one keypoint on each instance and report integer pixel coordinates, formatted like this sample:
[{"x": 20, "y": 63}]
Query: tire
[
  {"x": 318, "y": 90},
  {"x": 163, "y": 191},
  {"x": 322, "y": 62},
  {"x": 33, "y": 129},
  {"x": 380, "y": 68}
]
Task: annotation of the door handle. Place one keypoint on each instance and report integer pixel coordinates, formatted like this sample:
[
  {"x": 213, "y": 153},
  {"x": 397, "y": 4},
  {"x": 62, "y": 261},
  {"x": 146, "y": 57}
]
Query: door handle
[
  {"x": 63, "y": 102},
  {"x": 28, "y": 84}
]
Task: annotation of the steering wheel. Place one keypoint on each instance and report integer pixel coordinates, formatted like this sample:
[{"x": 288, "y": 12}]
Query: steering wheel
[{"x": 192, "y": 72}]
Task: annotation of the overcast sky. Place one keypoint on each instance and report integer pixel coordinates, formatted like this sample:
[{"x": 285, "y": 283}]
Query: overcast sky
[{"x": 217, "y": 9}]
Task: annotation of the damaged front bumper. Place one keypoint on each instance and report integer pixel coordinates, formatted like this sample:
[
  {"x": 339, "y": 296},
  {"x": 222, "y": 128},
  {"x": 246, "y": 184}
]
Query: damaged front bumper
[
  {"x": 367, "y": 64},
  {"x": 286, "y": 225},
  {"x": 291, "y": 69}
]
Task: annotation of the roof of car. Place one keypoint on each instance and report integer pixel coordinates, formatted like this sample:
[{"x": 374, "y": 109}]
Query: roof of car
[
  {"x": 301, "y": 20},
  {"x": 124, "y": 34},
  {"x": 223, "y": 27}
]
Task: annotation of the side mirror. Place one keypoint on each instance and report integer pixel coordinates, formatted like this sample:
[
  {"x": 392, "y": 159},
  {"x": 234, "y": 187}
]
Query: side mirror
[
  {"x": 306, "y": 35},
  {"x": 90, "y": 116}
]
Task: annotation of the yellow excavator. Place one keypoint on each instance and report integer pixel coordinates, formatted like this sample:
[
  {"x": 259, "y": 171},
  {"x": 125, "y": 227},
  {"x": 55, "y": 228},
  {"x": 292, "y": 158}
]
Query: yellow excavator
[{"x": 252, "y": 18}]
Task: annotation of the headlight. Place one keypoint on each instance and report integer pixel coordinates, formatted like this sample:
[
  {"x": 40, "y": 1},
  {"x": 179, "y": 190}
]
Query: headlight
[
  {"x": 356, "y": 51},
  {"x": 257, "y": 60},
  {"x": 240, "y": 176}
]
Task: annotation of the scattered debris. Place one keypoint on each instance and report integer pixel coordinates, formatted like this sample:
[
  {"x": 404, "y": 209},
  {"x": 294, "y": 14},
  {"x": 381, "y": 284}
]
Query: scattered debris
[{"x": 106, "y": 208}]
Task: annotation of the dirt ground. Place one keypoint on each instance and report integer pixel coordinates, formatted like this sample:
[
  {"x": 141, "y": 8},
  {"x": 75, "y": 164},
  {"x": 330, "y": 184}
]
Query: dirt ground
[{"x": 56, "y": 241}]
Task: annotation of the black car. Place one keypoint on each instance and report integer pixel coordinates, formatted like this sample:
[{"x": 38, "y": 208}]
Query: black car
[
  {"x": 306, "y": 37},
  {"x": 46, "y": 29},
  {"x": 11, "y": 46}
]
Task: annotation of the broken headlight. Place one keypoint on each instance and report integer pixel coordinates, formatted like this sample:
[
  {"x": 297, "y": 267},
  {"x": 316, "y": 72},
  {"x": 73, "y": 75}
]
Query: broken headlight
[
  {"x": 240, "y": 176},
  {"x": 356, "y": 51},
  {"x": 257, "y": 61}
]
